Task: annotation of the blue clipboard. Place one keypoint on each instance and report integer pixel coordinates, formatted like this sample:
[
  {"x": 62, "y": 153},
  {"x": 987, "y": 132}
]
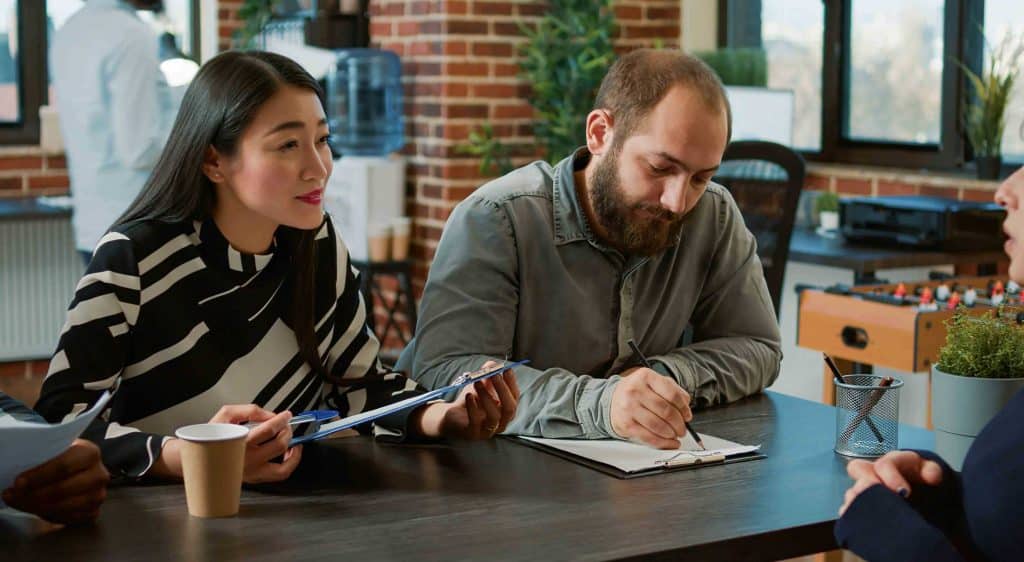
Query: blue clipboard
[{"x": 358, "y": 419}]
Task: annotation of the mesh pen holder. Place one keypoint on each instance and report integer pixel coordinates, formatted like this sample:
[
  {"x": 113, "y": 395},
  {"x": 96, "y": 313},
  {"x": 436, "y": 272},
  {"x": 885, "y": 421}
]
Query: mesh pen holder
[{"x": 867, "y": 416}]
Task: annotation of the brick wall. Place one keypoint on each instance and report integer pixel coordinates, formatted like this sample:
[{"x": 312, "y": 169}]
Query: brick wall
[{"x": 28, "y": 171}]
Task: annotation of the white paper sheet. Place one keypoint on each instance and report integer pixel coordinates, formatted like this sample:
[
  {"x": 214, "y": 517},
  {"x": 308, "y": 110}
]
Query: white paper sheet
[
  {"x": 25, "y": 445},
  {"x": 630, "y": 457}
]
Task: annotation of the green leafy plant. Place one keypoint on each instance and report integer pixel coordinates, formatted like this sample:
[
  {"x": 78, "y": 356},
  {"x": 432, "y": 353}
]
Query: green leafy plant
[
  {"x": 738, "y": 66},
  {"x": 988, "y": 346},
  {"x": 492, "y": 152},
  {"x": 255, "y": 15},
  {"x": 826, "y": 202},
  {"x": 564, "y": 58},
  {"x": 985, "y": 112}
]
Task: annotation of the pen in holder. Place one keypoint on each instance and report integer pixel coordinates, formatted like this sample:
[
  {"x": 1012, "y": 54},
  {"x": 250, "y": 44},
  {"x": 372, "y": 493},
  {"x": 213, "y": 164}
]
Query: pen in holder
[{"x": 867, "y": 415}]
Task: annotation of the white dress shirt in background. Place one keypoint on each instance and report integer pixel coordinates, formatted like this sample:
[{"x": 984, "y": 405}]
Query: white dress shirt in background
[{"x": 115, "y": 110}]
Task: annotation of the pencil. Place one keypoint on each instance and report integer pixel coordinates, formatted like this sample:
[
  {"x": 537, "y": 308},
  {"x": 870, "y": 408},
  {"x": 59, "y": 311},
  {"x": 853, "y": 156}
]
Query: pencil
[
  {"x": 643, "y": 359},
  {"x": 835, "y": 371}
]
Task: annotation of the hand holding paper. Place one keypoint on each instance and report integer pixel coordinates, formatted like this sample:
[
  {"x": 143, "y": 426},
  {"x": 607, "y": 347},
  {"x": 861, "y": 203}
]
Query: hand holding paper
[{"x": 47, "y": 471}]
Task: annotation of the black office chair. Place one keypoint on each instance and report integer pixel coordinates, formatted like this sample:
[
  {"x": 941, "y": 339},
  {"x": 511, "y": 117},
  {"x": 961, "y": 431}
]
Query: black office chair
[{"x": 765, "y": 179}]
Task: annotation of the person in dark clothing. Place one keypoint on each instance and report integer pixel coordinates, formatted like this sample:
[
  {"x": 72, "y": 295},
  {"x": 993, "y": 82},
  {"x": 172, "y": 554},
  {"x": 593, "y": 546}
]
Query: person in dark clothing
[{"x": 911, "y": 505}]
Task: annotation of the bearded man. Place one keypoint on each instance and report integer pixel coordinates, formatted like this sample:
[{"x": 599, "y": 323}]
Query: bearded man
[{"x": 625, "y": 240}]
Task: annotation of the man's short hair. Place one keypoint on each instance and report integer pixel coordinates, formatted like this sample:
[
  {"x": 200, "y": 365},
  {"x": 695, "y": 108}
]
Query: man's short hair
[{"x": 640, "y": 79}]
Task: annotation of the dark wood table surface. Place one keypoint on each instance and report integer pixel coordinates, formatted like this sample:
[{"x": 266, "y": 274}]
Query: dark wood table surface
[
  {"x": 359, "y": 500},
  {"x": 864, "y": 260}
]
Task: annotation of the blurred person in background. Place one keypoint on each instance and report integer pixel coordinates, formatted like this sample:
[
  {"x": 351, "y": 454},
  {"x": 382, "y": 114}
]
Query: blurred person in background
[{"x": 115, "y": 109}]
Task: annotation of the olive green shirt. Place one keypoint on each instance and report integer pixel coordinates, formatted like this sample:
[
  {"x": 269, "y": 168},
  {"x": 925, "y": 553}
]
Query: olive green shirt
[{"x": 519, "y": 274}]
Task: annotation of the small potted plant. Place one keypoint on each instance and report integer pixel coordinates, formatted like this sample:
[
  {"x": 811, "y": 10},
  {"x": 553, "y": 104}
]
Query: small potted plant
[
  {"x": 985, "y": 109},
  {"x": 827, "y": 209},
  {"x": 980, "y": 368}
]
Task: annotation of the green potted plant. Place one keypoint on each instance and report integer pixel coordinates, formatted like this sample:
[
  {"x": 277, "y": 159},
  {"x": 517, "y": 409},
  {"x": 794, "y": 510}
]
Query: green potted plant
[
  {"x": 564, "y": 58},
  {"x": 980, "y": 368},
  {"x": 738, "y": 66},
  {"x": 827, "y": 209},
  {"x": 985, "y": 110}
]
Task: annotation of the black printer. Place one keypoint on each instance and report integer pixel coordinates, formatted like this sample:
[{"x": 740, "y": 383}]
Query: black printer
[{"x": 923, "y": 222}]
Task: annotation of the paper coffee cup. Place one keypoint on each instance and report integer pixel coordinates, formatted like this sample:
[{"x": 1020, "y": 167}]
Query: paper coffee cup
[
  {"x": 400, "y": 230},
  {"x": 212, "y": 461},
  {"x": 380, "y": 242}
]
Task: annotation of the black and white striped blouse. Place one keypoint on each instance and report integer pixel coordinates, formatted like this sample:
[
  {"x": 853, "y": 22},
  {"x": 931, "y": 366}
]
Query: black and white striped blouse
[{"x": 181, "y": 323}]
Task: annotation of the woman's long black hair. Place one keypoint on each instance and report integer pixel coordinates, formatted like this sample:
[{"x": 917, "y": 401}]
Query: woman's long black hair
[{"x": 220, "y": 103}]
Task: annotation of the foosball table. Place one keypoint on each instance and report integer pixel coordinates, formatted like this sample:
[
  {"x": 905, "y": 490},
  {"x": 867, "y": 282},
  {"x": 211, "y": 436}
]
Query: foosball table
[{"x": 899, "y": 326}]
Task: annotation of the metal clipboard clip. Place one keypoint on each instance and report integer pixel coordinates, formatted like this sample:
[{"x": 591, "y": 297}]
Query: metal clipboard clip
[
  {"x": 691, "y": 457},
  {"x": 484, "y": 373}
]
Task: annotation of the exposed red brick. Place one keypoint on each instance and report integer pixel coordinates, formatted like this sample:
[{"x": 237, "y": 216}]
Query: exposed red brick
[
  {"x": 502, "y": 69},
  {"x": 456, "y": 111},
  {"x": 490, "y": 49},
  {"x": 520, "y": 110},
  {"x": 983, "y": 195},
  {"x": 467, "y": 27},
  {"x": 934, "y": 191},
  {"x": 21, "y": 163},
  {"x": 456, "y": 194},
  {"x": 56, "y": 162},
  {"x": 628, "y": 12},
  {"x": 458, "y": 171},
  {"x": 38, "y": 182},
  {"x": 454, "y": 48},
  {"x": 10, "y": 184},
  {"x": 896, "y": 188},
  {"x": 15, "y": 369},
  {"x": 484, "y": 8},
  {"x": 816, "y": 183},
  {"x": 656, "y": 13},
  {"x": 849, "y": 186},
  {"x": 504, "y": 91},
  {"x": 455, "y": 7},
  {"x": 465, "y": 69},
  {"x": 532, "y": 10},
  {"x": 649, "y": 31}
]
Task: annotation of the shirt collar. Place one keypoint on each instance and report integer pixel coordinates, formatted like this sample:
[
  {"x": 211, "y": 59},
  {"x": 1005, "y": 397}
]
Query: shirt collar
[
  {"x": 217, "y": 252},
  {"x": 119, "y": 4},
  {"x": 571, "y": 222}
]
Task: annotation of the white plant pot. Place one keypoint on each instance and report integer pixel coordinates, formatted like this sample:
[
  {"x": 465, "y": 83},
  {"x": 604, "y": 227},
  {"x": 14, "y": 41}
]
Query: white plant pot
[{"x": 829, "y": 220}]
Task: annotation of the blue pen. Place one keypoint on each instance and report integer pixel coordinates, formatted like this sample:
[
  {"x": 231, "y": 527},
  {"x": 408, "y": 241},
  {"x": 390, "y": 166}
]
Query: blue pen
[{"x": 305, "y": 417}]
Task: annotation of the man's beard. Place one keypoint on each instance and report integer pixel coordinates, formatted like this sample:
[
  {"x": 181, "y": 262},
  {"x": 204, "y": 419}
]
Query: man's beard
[{"x": 634, "y": 228}]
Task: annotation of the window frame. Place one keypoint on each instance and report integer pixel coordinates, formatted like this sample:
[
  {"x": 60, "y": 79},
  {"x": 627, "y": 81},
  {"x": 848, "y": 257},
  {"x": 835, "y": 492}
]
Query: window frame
[
  {"x": 32, "y": 84},
  {"x": 34, "y": 71},
  {"x": 962, "y": 40}
]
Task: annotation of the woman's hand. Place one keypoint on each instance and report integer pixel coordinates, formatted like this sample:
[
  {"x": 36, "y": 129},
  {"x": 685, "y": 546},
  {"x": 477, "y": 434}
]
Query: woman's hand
[
  {"x": 481, "y": 411},
  {"x": 898, "y": 471},
  {"x": 266, "y": 441},
  {"x": 67, "y": 489}
]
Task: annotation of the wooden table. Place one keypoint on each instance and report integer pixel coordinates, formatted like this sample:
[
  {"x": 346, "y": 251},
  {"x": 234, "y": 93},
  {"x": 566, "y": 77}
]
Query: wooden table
[{"x": 359, "y": 500}]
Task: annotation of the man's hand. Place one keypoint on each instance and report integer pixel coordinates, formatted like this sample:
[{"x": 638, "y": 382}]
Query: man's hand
[
  {"x": 898, "y": 471},
  {"x": 651, "y": 408},
  {"x": 482, "y": 410},
  {"x": 68, "y": 489}
]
